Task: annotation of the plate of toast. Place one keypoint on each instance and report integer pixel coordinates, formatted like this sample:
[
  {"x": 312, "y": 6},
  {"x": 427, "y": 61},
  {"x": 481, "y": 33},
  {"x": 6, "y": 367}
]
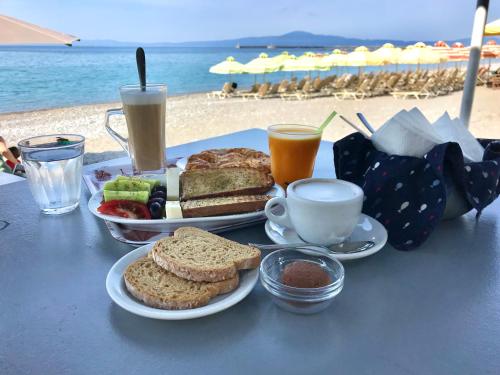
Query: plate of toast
[
  {"x": 191, "y": 274},
  {"x": 214, "y": 189}
]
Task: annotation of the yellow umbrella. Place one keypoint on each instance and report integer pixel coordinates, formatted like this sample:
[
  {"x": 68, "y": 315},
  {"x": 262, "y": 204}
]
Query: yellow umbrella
[
  {"x": 14, "y": 31},
  {"x": 261, "y": 65},
  {"x": 306, "y": 63},
  {"x": 362, "y": 57},
  {"x": 493, "y": 28},
  {"x": 388, "y": 53},
  {"x": 419, "y": 54},
  {"x": 281, "y": 58},
  {"x": 228, "y": 66},
  {"x": 336, "y": 58}
]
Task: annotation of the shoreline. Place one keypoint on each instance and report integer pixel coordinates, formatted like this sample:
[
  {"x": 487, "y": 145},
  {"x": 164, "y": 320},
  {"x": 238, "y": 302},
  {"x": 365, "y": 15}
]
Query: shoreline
[
  {"x": 191, "y": 117},
  {"x": 93, "y": 104}
]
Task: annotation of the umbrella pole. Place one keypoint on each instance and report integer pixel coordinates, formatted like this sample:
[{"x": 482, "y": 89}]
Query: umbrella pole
[{"x": 474, "y": 57}]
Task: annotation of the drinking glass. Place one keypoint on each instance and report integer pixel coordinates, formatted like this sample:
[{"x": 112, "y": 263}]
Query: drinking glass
[
  {"x": 144, "y": 112},
  {"x": 293, "y": 151},
  {"x": 53, "y": 165}
]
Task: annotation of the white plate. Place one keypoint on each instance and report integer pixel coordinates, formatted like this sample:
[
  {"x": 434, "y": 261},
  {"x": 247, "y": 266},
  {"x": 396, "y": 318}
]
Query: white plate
[
  {"x": 115, "y": 285},
  {"x": 170, "y": 225},
  {"x": 368, "y": 229}
]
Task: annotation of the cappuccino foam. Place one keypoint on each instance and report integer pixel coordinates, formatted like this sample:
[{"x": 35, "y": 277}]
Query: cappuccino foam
[{"x": 325, "y": 191}]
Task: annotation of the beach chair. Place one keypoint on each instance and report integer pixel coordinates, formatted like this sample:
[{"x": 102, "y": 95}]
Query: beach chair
[
  {"x": 226, "y": 91},
  {"x": 304, "y": 93},
  {"x": 249, "y": 93},
  {"x": 272, "y": 92},
  {"x": 419, "y": 92},
  {"x": 290, "y": 90},
  {"x": 283, "y": 87},
  {"x": 360, "y": 92},
  {"x": 302, "y": 82},
  {"x": 262, "y": 92}
]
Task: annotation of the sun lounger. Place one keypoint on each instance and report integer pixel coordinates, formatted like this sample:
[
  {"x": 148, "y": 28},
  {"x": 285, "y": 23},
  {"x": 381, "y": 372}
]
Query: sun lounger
[
  {"x": 423, "y": 93},
  {"x": 305, "y": 93},
  {"x": 226, "y": 91},
  {"x": 250, "y": 93}
]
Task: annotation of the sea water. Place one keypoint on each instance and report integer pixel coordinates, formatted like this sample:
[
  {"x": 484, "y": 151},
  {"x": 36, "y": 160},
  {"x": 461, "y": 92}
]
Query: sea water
[
  {"x": 54, "y": 177},
  {"x": 46, "y": 77}
]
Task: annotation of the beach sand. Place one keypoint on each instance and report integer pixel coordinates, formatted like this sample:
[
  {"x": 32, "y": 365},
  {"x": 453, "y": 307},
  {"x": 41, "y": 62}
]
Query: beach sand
[{"x": 193, "y": 117}]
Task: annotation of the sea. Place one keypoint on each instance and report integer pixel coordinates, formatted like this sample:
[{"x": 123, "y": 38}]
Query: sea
[{"x": 33, "y": 78}]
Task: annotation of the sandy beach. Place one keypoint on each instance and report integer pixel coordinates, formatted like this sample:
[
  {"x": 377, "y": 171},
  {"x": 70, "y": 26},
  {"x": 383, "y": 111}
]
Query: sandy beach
[{"x": 193, "y": 117}]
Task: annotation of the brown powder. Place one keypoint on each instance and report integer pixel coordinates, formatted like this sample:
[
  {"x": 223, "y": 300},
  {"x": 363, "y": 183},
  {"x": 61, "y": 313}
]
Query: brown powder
[{"x": 301, "y": 274}]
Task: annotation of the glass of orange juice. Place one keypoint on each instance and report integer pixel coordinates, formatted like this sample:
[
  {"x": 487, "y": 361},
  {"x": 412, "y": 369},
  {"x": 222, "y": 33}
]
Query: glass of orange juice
[{"x": 293, "y": 151}]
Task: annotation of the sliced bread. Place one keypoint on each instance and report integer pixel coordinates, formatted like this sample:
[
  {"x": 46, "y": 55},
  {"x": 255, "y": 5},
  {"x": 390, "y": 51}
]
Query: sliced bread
[
  {"x": 197, "y": 255},
  {"x": 156, "y": 287},
  {"x": 223, "y": 182},
  {"x": 229, "y": 157},
  {"x": 223, "y": 205}
]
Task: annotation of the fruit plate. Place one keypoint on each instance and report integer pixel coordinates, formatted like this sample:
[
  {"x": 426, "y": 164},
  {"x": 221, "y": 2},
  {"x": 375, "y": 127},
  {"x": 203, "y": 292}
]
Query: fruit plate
[
  {"x": 115, "y": 286},
  {"x": 170, "y": 225}
]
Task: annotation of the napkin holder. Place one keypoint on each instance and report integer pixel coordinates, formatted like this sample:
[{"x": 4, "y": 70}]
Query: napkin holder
[{"x": 410, "y": 195}]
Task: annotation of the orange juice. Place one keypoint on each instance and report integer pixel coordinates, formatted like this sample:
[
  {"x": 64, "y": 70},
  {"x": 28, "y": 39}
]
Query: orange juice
[{"x": 293, "y": 151}]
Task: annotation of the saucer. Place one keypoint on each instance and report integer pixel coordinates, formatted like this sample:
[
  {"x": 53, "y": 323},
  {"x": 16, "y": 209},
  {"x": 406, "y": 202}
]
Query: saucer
[{"x": 367, "y": 229}]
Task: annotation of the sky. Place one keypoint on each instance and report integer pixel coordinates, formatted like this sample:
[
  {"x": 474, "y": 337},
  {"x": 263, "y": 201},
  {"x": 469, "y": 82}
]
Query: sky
[{"x": 199, "y": 20}]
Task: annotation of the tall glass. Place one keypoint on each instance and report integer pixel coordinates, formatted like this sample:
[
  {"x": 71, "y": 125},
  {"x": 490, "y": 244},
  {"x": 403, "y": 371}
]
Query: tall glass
[
  {"x": 53, "y": 165},
  {"x": 144, "y": 112},
  {"x": 293, "y": 151}
]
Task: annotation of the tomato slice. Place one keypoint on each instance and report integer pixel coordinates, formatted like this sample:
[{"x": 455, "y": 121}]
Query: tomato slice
[{"x": 125, "y": 208}]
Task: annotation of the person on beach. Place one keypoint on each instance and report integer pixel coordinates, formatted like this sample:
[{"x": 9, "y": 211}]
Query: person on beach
[{"x": 7, "y": 159}]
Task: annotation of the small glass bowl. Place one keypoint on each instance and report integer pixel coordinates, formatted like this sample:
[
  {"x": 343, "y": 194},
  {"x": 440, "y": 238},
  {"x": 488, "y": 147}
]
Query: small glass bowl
[{"x": 301, "y": 300}]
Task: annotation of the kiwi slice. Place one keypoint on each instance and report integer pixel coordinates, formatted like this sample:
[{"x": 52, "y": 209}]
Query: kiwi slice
[
  {"x": 152, "y": 183},
  {"x": 127, "y": 185},
  {"x": 138, "y": 196}
]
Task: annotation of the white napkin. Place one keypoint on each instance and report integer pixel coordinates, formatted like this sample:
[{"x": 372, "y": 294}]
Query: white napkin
[
  {"x": 409, "y": 133},
  {"x": 453, "y": 130}
]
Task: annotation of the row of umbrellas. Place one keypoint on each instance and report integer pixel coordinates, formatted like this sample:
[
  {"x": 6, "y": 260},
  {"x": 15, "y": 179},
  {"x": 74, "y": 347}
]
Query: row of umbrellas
[{"x": 416, "y": 54}]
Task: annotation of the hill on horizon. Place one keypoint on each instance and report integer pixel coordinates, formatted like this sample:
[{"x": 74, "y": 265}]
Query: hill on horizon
[{"x": 295, "y": 39}]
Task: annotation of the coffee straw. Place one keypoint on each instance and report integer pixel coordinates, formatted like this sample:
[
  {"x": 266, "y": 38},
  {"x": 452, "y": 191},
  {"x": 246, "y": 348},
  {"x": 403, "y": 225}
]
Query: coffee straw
[{"x": 327, "y": 121}]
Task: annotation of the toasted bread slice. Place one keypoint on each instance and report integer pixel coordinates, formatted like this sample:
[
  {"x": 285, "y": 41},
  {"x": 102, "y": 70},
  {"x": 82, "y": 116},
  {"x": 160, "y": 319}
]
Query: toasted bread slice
[
  {"x": 230, "y": 157},
  {"x": 223, "y": 205},
  {"x": 156, "y": 287},
  {"x": 197, "y": 255},
  {"x": 224, "y": 182}
]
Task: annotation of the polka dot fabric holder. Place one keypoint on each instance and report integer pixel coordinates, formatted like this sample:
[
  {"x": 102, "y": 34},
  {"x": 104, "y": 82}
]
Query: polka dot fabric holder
[{"x": 407, "y": 194}]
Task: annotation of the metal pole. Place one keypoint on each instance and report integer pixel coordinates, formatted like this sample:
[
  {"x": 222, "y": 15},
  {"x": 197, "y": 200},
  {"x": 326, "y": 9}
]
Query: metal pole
[{"x": 474, "y": 57}]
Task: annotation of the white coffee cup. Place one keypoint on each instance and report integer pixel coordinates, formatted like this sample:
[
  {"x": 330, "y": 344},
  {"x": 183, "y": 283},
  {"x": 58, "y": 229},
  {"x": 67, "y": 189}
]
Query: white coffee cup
[{"x": 321, "y": 210}]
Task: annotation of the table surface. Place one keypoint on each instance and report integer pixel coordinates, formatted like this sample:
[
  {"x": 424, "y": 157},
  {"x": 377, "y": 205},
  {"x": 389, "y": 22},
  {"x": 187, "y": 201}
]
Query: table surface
[{"x": 435, "y": 310}]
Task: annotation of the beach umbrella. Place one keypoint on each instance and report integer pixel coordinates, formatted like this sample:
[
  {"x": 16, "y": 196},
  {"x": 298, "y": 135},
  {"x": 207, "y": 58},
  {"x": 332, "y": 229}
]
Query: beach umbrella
[
  {"x": 305, "y": 63},
  {"x": 336, "y": 58},
  {"x": 491, "y": 48},
  {"x": 420, "y": 54},
  {"x": 14, "y": 31},
  {"x": 281, "y": 58},
  {"x": 458, "y": 54},
  {"x": 388, "y": 53},
  {"x": 457, "y": 45},
  {"x": 261, "y": 65},
  {"x": 441, "y": 44},
  {"x": 493, "y": 28},
  {"x": 228, "y": 66},
  {"x": 361, "y": 57}
]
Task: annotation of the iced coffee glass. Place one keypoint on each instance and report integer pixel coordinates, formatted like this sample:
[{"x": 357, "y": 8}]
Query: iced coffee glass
[{"x": 144, "y": 112}]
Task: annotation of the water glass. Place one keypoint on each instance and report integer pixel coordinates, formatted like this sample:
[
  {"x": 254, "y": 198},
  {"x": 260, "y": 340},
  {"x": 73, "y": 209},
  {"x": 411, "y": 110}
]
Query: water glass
[{"x": 53, "y": 165}]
